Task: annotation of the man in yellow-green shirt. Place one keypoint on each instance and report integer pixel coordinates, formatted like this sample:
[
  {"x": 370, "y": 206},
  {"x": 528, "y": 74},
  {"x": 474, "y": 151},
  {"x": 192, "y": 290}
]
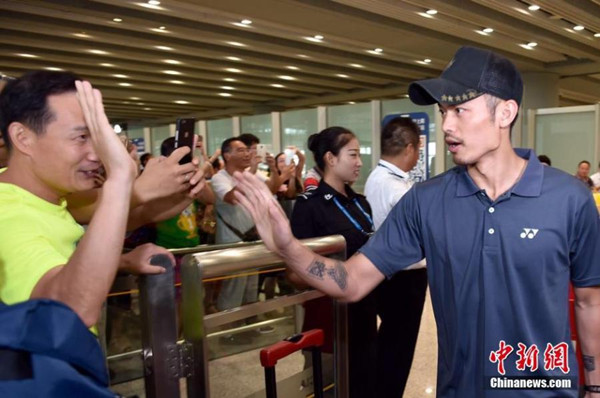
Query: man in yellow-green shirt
[{"x": 57, "y": 136}]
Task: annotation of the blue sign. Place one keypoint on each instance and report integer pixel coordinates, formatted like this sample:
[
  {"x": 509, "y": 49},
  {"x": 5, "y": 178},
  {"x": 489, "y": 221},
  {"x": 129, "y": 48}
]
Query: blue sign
[
  {"x": 140, "y": 144},
  {"x": 421, "y": 171}
]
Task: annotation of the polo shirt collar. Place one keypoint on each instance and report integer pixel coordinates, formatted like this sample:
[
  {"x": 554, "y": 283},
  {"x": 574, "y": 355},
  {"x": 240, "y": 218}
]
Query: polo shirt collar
[
  {"x": 530, "y": 183},
  {"x": 327, "y": 192},
  {"x": 394, "y": 169}
]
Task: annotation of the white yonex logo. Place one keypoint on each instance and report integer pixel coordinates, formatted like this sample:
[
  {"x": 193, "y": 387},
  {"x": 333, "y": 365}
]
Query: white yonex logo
[
  {"x": 328, "y": 196},
  {"x": 529, "y": 233}
]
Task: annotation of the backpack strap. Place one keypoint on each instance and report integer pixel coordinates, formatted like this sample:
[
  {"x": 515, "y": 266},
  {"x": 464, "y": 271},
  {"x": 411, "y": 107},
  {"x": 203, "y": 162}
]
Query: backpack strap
[{"x": 50, "y": 328}]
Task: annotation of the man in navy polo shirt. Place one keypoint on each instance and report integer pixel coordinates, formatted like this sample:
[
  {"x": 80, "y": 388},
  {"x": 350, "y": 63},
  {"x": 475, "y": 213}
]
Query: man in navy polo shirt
[{"x": 503, "y": 237}]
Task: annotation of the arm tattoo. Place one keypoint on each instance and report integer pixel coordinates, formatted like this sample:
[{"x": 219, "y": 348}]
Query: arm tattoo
[
  {"x": 316, "y": 269},
  {"x": 589, "y": 363},
  {"x": 338, "y": 273}
]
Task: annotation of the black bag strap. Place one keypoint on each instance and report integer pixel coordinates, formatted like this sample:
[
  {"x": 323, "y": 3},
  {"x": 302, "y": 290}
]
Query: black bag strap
[{"x": 233, "y": 229}]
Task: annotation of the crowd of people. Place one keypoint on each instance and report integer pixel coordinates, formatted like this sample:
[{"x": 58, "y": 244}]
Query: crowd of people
[{"x": 499, "y": 237}]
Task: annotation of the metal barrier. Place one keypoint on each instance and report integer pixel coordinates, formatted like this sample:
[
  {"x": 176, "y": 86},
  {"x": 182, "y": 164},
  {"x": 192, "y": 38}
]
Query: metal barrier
[{"x": 166, "y": 361}]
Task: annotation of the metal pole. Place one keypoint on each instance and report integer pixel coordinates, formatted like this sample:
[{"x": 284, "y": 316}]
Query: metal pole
[
  {"x": 193, "y": 327},
  {"x": 159, "y": 331},
  {"x": 317, "y": 372},
  {"x": 270, "y": 382}
]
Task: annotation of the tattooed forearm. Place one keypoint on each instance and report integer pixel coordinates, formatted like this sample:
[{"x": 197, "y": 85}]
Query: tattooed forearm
[
  {"x": 338, "y": 273},
  {"x": 316, "y": 269},
  {"x": 589, "y": 362}
]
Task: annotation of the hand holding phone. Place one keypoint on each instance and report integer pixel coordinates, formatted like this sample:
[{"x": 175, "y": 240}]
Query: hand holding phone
[
  {"x": 261, "y": 150},
  {"x": 184, "y": 136}
]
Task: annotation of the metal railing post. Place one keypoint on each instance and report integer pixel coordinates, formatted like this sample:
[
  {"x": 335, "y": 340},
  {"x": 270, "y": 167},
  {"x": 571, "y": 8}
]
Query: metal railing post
[
  {"x": 194, "y": 332},
  {"x": 159, "y": 331}
]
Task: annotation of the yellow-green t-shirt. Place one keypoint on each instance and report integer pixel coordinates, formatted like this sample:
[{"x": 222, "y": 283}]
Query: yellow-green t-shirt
[{"x": 35, "y": 236}]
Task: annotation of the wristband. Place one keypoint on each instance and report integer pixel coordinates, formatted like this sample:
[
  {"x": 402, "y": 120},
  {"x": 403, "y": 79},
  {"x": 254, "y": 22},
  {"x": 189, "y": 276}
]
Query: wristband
[{"x": 590, "y": 388}]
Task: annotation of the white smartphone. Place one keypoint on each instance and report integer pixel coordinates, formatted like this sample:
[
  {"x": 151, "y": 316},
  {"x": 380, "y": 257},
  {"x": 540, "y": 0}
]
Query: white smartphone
[
  {"x": 261, "y": 150},
  {"x": 289, "y": 156}
]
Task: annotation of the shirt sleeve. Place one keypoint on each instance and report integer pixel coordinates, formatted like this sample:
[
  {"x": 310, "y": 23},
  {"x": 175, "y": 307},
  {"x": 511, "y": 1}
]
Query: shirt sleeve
[
  {"x": 397, "y": 244},
  {"x": 302, "y": 221},
  {"x": 221, "y": 185},
  {"x": 26, "y": 257},
  {"x": 585, "y": 246}
]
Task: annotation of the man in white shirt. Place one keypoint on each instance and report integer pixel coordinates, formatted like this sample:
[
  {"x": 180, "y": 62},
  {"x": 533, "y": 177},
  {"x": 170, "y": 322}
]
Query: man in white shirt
[
  {"x": 400, "y": 299},
  {"x": 234, "y": 224}
]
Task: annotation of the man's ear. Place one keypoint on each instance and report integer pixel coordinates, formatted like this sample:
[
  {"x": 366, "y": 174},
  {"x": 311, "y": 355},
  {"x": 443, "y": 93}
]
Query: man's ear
[
  {"x": 22, "y": 138},
  {"x": 508, "y": 112}
]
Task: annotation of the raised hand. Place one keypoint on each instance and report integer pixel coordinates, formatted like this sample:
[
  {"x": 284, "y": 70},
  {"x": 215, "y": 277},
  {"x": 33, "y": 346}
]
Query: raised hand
[
  {"x": 163, "y": 176},
  {"x": 269, "y": 218},
  {"x": 288, "y": 172},
  {"x": 108, "y": 146}
]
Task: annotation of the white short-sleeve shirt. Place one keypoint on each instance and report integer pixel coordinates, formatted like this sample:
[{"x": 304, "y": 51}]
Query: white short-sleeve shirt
[
  {"x": 235, "y": 215},
  {"x": 385, "y": 186}
]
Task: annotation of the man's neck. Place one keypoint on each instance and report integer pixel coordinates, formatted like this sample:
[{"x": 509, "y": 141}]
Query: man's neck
[
  {"x": 497, "y": 172},
  {"x": 231, "y": 168},
  {"x": 399, "y": 161},
  {"x": 22, "y": 176}
]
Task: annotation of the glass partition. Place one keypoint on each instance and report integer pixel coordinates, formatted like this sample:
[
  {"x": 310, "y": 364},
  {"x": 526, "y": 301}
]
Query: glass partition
[
  {"x": 259, "y": 125},
  {"x": 296, "y": 127},
  {"x": 566, "y": 138},
  {"x": 356, "y": 117},
  {"x": 218, "y": 131},
  {"x": 159, "y": 134},
  {"x": 135, "y": 132}
]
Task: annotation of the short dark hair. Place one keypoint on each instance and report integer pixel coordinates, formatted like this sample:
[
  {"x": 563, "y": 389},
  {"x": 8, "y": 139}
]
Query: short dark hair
[
  {"x": 332, "y": 139},
  {"x": 545, "y": 159},
  {"x": 249, "y": 139},
  {"x": 144, "y": 158},
  {"x": 25, "y": 100},
  {"x": 226, "y": 146},
  {"x": 168, "y": 146},
  {"x": 582, "y": 162},
  {"x": 397, "y": 134}
]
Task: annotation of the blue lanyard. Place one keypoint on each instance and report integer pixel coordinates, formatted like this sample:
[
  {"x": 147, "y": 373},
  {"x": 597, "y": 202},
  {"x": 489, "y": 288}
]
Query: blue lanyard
[
  {"x": 352, "y": 220},
  {"x": 390, "y": 171}
]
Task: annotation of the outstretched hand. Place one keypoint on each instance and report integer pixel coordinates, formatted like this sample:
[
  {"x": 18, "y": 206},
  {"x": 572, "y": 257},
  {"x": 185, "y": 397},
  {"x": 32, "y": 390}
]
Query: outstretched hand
[
  {"x": 270, "y": 220},
  {"x": 108, "y": 146}
]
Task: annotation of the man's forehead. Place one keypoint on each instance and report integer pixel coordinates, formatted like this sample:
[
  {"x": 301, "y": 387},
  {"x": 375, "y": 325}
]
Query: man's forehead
[
  {"x": 65, "y": 108},
  {"x": 238, "y": 144},
  {"x": 64, "y": 102}
]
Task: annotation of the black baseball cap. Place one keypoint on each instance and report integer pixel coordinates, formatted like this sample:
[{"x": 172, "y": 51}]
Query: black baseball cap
[{"x": 471, "y": 73}]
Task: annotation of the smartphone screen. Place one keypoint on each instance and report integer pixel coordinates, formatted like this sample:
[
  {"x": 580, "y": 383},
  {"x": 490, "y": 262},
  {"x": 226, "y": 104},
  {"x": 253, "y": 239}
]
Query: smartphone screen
[
  {"x": 261, "y": 150},
  {"x": 184, "y": 136}
]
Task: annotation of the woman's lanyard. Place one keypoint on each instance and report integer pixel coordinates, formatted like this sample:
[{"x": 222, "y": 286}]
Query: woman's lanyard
[
  {"x": 352, "y": 219},
  {"x": 392, "y": 172}
]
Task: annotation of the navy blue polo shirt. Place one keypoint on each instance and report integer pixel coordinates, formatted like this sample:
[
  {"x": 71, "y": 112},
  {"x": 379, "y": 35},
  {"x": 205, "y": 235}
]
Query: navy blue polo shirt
[{"x": 498, "y": 270}]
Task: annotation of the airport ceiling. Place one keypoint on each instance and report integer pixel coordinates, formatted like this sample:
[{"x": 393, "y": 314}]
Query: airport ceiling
[{"x": 155, "y": 61}]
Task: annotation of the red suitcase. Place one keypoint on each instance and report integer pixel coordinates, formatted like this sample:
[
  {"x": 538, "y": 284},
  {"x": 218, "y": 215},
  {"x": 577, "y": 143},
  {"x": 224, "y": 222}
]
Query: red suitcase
[{"x": 270, "y": 355}]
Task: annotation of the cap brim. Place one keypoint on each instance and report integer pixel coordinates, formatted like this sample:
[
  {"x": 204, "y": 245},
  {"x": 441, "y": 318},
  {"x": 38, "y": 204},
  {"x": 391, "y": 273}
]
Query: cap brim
[{"x": 432, "y": 91}]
